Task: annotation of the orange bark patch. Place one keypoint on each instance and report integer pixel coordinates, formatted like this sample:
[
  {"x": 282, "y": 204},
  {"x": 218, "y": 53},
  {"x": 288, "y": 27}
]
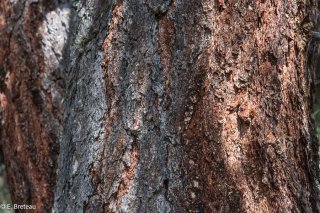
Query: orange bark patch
[
  {"x": 128, "y": 175},
  {"x": 116, "y": 15},
  {"x": 3, "y": 101}
]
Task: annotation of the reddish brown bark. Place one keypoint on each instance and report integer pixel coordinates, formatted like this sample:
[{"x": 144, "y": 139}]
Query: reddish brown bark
[{"x": 30, "y": 118}]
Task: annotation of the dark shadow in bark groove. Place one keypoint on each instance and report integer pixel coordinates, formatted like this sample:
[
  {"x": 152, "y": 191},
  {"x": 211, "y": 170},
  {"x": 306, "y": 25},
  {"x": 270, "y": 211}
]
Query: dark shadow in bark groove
[{"x": 313, "y": 66}]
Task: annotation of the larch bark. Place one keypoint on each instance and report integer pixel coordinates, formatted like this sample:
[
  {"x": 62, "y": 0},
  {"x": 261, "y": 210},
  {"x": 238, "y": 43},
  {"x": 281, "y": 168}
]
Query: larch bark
[
  {"x": 169, "y": 105},
  {"x": 188, "y": 106},
  {"x": 32, "y": 38}
]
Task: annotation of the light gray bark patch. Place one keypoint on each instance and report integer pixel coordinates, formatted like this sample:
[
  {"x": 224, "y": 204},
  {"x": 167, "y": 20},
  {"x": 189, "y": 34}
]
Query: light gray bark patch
[
  {"x": 84, "y": 108},
  {"x": 55, "y": 35}
]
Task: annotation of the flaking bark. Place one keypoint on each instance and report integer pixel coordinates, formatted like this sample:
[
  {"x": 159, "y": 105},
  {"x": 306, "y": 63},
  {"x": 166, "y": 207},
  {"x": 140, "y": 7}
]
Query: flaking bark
[
  {"x": 188, "y": 106},
  {"x": 169, "y": 106}
]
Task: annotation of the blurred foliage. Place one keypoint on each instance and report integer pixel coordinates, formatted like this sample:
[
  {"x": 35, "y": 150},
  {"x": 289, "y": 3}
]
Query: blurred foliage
[
  {"x": 316, "y": 105},
  {"x": 316, "y": 101},
  {"x": 4, "y": 191},
  {"x": 316, "y": 117}
]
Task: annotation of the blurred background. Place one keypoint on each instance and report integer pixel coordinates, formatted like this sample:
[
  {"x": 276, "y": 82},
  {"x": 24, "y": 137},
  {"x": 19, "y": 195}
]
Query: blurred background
[
  {"x": 316, "y": 109},
  {"x": 4, "y": 190}
]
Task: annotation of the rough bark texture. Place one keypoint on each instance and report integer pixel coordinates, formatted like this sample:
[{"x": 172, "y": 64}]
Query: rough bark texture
[
  {"x": 169, "y": 105},
  {"x": 32, "y": 38},
  {"x": 188, "y": 106}
]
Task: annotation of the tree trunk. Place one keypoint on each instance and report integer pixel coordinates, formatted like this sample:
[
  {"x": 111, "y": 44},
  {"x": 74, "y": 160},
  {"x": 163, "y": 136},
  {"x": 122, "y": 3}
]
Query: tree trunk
[
  {"x": 169, "y": 106},
  {"x": 199, "y": 106},
  {"x": 32, "y": 37}
]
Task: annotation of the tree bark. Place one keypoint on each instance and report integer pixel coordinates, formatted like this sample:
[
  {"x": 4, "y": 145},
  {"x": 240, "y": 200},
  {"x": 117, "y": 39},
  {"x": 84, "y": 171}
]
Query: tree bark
[
  {"x": 32, "y": 38},
  {"x": 169, "y": 106},
  {"x": 199, "y": 106}
]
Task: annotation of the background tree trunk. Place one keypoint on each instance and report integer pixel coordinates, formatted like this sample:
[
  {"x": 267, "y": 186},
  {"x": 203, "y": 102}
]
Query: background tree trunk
[
  {"x": 200, "y": 106},
  {"x": 169, "y": 106},
  {"x": 32, "y": 37}
]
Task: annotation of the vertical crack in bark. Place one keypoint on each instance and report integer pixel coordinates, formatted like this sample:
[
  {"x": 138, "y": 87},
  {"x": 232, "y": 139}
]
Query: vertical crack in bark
[
  {"x": 128, "y": 174},
  {"x": 166, "y": 38}
]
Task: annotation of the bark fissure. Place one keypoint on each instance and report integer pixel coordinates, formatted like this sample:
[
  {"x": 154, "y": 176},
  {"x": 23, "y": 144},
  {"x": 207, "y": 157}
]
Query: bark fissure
[{"x": 169, "y": 106}]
